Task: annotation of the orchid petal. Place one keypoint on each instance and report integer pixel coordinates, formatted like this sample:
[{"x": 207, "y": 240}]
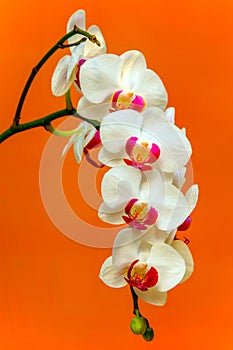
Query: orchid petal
[
  {"x": 110, "y": 215},
  {"x": 144, "y": 250},
  {"x": 179, "y": 178},
  {"x": 172, "y": 209},
  {"x": 191, "y": 197},
  {"x": 169, "y": 264},
  {"x": 90, "y": 135},
  {"x": 154, "y": 235},
  {"x": 78, "y": 148},
  {"x": 169, "y": 202},
  {"x": 69, "y": 144},
  {"x": 133, "y": 63},
  {"x": 110, "y": 276},
  {"x": 174, "y": 146},
  {"x": 60, "y": 85},
  {"x": 120, "y": 184},
  {"x": 91, "y": 49},
  {"x": 77, "y": 54},
  {"x": 92, "y": 111},
  {"x": 151, "y": 88},
  {"x": 170, "y": 114},
  {"x": 126, "y": 248},
  {"x": 152, "y": 296},
  {"x": 171, "y": 236},
  {"x": 175, "y": 149},
  {"x": 111, "y": 159},
  {"x": 184, "y": 251},
  {"x": 153, "y": 187},
  {"x": 117, "y": 127},
  {"x": 100, "y": 77},
  {"x": 77, "y": 19}
]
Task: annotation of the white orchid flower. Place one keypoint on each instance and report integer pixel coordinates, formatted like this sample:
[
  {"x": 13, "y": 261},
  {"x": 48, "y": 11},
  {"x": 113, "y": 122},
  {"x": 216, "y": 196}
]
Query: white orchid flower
[
  {"x": 110, "y": 83},
  {"x": 85, "y": 137},
  {"x": 68, "y": 68},
  {"x": 143, "y": 140},
  {"x": 147, "y": 264},
  {"x": 142, "y": 199}
]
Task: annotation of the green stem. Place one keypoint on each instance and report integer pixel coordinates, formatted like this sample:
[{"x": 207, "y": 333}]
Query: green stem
[
  {"x": 136, "y": 308},
  {"x": 60, "y": 132},
  {"x": 63, "y": 46},
  {"x": 68, "y": 101},
  {"x": 44, "y": 122},
  {"x": 93, "y": 122},
  {"x": 69, "y": 110},
  {"x": 36, "y": 69},
  {"x": 135, "y": 302}
]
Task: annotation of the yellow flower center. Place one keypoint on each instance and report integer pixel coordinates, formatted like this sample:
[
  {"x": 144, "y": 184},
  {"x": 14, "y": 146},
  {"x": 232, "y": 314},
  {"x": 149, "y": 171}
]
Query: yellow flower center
[
  {"x": 139, "y": 210},
  {"x": 141, "y": 151},
  {"x": 126, "y": 100}
]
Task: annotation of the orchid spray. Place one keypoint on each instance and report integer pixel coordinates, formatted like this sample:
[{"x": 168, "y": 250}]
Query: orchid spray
[{"x": 123, "y": 112}]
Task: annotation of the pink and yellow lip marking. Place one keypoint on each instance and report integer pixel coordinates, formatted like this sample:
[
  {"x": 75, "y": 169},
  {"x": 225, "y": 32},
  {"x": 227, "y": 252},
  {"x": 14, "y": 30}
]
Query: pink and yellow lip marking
[
  {"x": 121, "y": 100},
  {"x": 140, "y": 277},
  {"x": 141, "y": 153},
  {"x": 139, "y": 214}
]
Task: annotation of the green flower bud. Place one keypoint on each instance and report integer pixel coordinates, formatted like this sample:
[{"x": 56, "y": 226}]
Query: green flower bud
[
  {"x": 138, "y": 325},
  {"x": 149, "y": 334}
]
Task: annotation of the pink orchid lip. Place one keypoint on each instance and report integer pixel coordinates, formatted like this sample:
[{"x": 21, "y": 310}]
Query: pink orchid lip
[
  {"x": 132, "y": 101},
  {"x": 134, "y": 216},
  {"x": 141, "y": 280},
  {"x": 116, "y": 95},
  {"x": 151, "y": 154},
  {"x": 142, "y": 167},
  {"x": 130, "y": 144},
  {"x": 77, "y": 80},
  {"x": 185, "y": 225},
  {"x": 138, "y": 104}
]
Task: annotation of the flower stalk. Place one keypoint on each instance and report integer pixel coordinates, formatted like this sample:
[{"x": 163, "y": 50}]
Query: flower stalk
[
  {"x": 146, "y": 331},
  {"x": 44, "y": 122},
  {"x": 36, "y": 69},
  {"x": 135, "y": 302},
  {"x": 16, "y": 127}
]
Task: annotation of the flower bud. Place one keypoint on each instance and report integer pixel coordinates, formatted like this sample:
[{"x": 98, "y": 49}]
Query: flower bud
[
  {"x": 185, "y": 225},
  {"x": 138, "y": 325},
  {"x": 149, "y": 334}
]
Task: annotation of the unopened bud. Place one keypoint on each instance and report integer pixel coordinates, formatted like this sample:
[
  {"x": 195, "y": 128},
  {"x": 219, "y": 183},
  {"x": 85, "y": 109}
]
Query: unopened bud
[
  {"x": 149, "y": 334},
  {"x": 138, "y": 325},
  {"x": 186, "y": 224}
]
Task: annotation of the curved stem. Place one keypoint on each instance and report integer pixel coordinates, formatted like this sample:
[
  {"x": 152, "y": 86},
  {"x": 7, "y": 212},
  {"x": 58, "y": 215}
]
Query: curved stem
[
  {"x": 69, "y": 110},
  {"x": 36, "y": 69},
  {"x": 46, "y": 123},
  {"x": 93, "y": 122},
  {"x": 60, "y": 132},
  {"x": 35, "y": 123},
  {"x": 136, "y": 312}
]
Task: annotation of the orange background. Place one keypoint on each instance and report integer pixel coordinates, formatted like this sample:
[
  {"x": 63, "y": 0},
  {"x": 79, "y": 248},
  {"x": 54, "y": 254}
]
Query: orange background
[{"x": 50, "y": 294}]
